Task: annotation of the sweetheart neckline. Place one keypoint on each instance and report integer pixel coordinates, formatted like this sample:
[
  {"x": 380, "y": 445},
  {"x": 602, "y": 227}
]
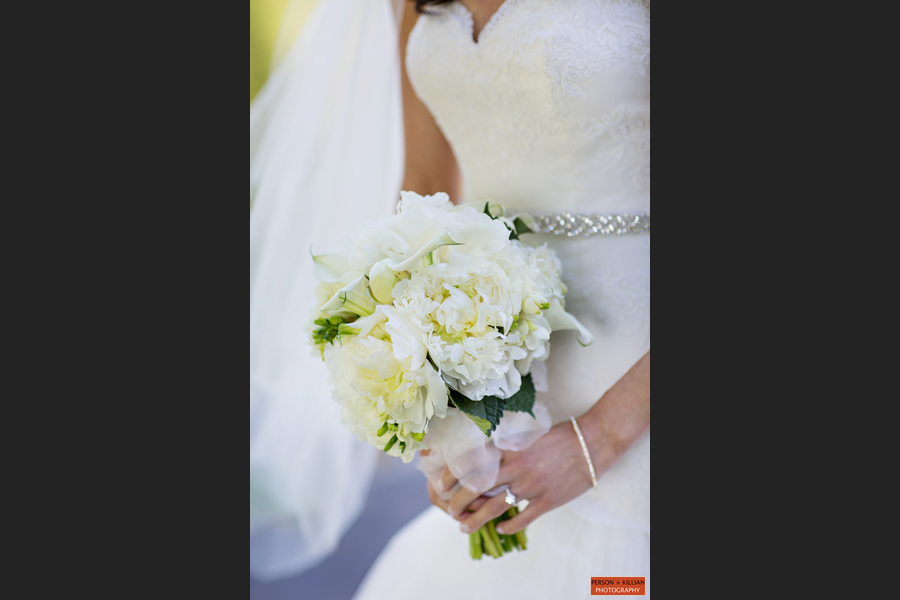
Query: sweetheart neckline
[{"x": 491, "y": 24}]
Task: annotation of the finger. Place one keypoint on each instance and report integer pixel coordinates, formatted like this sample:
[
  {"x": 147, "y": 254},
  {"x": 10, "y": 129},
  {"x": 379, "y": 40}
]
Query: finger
[
  {"x": 436, "y": 500},
  {"x": 521, "y": 521},
  {"x": 476, "y": 506},
  {"x": 461, "y": 501},
  {"x": 473, "y": 508},
  {"x": 487, "y": 513},
  {"x": 510, "y": 471},
  {"x": 424, "y": 452},
  {"x": 447, "y": 481}
]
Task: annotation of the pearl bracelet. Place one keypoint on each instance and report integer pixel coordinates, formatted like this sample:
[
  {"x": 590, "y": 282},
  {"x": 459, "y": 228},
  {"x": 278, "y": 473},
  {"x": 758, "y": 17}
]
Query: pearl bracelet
[{"x": 587, "y": 453}]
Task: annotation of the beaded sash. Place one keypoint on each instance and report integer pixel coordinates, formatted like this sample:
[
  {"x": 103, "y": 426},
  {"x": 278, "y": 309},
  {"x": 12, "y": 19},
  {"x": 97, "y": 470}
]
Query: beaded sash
[{"x": 574, "y": 225}]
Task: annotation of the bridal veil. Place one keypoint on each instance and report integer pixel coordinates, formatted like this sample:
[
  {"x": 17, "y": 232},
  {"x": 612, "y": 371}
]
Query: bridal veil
[{"x": 326, "y": 157}]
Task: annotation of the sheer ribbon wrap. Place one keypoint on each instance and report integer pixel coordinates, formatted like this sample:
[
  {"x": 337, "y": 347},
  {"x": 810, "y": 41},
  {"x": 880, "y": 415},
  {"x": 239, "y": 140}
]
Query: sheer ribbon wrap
[
  {"x": 326, "y": 157},
  {"x": 473, "y": 458}
]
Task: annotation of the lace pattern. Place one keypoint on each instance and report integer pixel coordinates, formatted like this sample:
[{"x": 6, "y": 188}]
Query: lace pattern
[
  {"x": 532, "y": 80},
  {"x": 626, "y": 147},
  {"x": 622, "y": 298}
]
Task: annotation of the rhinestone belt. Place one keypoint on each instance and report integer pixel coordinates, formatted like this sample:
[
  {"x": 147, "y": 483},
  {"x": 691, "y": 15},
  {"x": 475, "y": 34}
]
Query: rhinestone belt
[{"x": 572, "y": 225}]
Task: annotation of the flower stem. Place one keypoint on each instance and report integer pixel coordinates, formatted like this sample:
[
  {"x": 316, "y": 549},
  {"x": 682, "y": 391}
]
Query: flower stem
[
  {"x": 489, "y": 543},
  {"x": 476, "y": 546},
  {"x": 523, "y": 540},
  {"x": 488, "y": 540},
  {"x": 495, "y": 537}
]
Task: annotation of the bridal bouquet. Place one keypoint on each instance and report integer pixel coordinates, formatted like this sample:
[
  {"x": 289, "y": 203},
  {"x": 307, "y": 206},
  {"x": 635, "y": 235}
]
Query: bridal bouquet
[{"x": 434, "y": 313}]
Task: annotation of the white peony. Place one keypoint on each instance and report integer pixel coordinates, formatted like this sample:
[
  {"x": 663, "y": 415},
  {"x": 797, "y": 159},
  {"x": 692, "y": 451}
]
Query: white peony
[{"x": 387, "y": 389}]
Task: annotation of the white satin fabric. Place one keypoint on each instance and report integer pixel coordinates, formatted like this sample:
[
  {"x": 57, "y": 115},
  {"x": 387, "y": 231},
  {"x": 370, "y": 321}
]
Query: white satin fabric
[
  {"x": 549, "y": 111},
  {"x": 326, "y": 157}
]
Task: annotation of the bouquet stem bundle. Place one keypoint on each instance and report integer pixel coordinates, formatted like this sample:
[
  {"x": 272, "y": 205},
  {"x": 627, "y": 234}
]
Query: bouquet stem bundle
[{"x": 488, "y": 540}]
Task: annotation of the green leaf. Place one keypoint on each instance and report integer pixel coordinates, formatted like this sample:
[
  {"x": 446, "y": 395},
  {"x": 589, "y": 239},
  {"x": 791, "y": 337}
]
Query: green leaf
[
  {"x": 514, "y": 232},
  {"x": 524, "y": 400},
  {"x": 486, "y": 414},
  {"x": 521, "y": 226}
]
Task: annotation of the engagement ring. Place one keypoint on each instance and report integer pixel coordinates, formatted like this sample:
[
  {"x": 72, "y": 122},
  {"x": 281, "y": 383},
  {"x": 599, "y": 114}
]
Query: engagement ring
[{"x": 511, "y": 498}]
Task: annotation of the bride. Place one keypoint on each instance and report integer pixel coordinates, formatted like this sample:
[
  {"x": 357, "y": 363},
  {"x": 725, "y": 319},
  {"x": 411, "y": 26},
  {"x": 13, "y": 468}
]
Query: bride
[{"x": 544, "y": 106}]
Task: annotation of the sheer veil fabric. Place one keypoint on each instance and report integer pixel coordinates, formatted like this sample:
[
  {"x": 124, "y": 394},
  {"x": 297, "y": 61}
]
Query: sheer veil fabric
[{"x": 326, "y": 157}]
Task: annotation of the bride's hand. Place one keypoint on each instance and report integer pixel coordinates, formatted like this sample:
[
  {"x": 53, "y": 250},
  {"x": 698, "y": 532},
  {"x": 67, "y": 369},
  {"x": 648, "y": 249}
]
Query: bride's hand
[
  {"x": 550, "y": 474},
  {"x": 554, "y": 471}
]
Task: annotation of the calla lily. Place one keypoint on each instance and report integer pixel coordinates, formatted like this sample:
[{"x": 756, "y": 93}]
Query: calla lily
[
  {"x": 355, "y": 298},
  {"x": 560, "y": 320},
  {"x": 385, "y": 275},
  {"x": 412, "y": 263},
  {"x": 331, "y": 267},
  {"x": 528, "y": 220},
  {"x": 382, "y": 279},
  {"x": 495, "y": 208}
]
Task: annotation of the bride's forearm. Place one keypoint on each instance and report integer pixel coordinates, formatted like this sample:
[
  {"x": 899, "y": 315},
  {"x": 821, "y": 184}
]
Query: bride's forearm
[{"x": 621, "y": 418}]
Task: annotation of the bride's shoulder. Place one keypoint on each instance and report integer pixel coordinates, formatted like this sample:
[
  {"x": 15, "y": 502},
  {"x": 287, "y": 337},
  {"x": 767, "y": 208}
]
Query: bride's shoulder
[{"x": 410, "y": 18}]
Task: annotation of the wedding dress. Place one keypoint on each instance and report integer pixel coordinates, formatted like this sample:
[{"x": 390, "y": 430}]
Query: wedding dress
[{"x": 549, "y": 112}]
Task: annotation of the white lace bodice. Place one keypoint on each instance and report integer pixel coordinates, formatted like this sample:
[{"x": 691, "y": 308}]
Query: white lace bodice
[{"x": 550, "y": 109}]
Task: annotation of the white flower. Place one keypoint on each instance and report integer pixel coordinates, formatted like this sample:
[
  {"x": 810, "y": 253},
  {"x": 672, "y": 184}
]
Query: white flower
[
  {"x": 548, "y": 263},
  {"x": 361, "y": 251},
  {"x": 412, "y": 200},
  {"x": 387, "y": 389},
  {"x": 420, "y": 235},
  {"x": 465, "y": 306},
  {"x": 354, "y": 299}
]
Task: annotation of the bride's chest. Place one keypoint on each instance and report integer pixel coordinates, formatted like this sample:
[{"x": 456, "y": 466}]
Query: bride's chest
[{"x": 542, "y": 50}]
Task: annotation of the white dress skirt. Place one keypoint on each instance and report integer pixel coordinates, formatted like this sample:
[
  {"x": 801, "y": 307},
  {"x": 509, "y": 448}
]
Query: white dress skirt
[{"x": 549, "y": 112}]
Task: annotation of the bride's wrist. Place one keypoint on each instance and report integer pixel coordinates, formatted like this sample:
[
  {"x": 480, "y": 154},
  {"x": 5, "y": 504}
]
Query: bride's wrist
[
  {"x": 604, "y": 448},
  {"x": 609, "y": 436},
  {"x": 621, "y": 418}
]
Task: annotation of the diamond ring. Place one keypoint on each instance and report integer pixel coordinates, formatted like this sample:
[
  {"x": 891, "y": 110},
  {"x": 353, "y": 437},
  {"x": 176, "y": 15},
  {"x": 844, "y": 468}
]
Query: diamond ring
[{"x": 511, "y": 498}]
